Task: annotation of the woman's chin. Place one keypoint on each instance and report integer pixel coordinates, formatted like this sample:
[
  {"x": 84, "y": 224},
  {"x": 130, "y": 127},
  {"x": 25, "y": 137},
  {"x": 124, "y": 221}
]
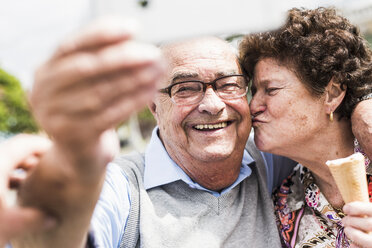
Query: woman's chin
[{"x": 262, "y": 145}]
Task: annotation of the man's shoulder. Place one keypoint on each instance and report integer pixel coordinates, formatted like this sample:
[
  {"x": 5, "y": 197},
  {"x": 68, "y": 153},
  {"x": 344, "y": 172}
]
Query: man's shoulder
[
  {"x": 131, "y": 158},
  {"x": 132, "y": 165}
]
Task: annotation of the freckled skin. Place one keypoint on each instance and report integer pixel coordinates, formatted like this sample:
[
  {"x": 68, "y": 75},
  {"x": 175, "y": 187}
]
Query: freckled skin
[{"x": 290, "y": 114}]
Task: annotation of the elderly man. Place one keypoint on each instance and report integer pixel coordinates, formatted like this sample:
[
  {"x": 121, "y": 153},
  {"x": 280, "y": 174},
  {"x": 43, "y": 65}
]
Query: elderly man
[{"x": 195, "y": 186}]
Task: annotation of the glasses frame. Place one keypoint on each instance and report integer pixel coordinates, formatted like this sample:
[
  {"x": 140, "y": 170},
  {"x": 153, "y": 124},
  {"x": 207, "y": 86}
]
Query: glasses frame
[{"x": 167, "y": 90}]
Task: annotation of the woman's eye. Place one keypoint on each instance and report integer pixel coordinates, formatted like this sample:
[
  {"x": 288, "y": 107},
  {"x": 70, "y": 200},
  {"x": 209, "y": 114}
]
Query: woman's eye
[{"x": 271, "y": 91}]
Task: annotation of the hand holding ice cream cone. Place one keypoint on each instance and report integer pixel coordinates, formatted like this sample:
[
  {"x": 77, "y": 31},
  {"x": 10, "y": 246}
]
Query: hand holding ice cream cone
[{"x": 350, "y": 176}]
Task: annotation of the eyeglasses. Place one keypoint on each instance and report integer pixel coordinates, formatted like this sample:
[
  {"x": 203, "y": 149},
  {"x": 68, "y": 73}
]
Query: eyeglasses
[{"x": 192, "y": 91}]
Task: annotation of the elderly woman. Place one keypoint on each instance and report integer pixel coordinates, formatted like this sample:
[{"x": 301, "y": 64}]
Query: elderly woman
[{"x": 307, "y": 78}]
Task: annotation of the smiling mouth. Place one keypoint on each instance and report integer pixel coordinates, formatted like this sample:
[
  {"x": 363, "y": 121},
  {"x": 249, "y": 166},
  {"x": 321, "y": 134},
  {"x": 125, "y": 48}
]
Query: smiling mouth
[{"x": 208, "y": 127}]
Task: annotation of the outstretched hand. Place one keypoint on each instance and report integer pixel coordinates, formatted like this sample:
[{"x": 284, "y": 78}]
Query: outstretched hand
[
  {"x": 22, "y": 151},
  {"x": 94, "y": 81}
]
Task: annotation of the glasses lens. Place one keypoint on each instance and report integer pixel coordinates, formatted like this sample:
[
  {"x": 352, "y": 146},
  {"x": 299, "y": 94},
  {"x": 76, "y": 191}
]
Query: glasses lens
[
  {"x": 231, "y": 87},
  {"x": 185, "y": 93}
]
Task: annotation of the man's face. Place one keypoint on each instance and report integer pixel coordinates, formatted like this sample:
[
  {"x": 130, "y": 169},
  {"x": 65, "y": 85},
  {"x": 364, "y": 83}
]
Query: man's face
[{"x": 214, "y": 129}]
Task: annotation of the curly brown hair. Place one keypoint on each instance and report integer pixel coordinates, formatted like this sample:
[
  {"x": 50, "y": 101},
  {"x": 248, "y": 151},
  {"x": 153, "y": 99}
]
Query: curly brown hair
[{"x": 318, "y": 45}]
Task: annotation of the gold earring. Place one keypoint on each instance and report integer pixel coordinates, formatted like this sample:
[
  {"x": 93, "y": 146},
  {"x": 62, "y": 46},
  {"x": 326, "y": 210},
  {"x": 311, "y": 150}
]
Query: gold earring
[{"x": 331, "y": 116}]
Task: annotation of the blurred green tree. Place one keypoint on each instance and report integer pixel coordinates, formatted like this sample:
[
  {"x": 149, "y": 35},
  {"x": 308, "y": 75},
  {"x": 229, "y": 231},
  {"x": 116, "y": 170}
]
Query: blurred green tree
[
  {"x": 147, "y": 122},
  {"x": 369, "y": 38},
  {"x": 15, "y": 116}
]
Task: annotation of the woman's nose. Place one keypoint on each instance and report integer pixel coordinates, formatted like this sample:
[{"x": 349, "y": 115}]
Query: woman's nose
[{"x": 257, "y": 105}]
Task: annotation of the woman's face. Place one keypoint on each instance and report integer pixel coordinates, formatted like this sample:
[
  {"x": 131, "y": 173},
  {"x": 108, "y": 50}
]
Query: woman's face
[{"x": 286, "y": 116}]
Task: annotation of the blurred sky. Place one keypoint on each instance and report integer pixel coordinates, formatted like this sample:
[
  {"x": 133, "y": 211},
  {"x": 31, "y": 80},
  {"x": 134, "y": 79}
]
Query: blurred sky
[{"x": 30, "y": 29}]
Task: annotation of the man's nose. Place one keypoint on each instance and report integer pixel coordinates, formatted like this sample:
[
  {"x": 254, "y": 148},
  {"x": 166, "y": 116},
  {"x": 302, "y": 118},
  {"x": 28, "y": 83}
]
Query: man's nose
[{"x": 211, "y": 102}]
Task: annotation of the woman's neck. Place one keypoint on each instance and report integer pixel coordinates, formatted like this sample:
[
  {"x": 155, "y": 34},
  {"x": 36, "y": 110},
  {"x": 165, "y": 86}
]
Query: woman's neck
[{"x": 335, "y": 142}]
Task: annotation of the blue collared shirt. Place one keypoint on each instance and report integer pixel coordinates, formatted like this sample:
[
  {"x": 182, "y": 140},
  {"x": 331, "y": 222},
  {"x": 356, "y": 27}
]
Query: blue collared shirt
[
  {"x": 112, "y": 210},
  {"x": 157, "y": 161}
]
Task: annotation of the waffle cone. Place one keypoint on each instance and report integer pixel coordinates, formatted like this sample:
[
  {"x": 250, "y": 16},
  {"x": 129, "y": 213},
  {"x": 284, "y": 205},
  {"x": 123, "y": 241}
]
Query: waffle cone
[{"x": 350, "y": 176}]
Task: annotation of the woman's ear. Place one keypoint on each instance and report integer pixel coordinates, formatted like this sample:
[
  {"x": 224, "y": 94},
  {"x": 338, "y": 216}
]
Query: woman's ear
[{"x": 334, "y": 96}]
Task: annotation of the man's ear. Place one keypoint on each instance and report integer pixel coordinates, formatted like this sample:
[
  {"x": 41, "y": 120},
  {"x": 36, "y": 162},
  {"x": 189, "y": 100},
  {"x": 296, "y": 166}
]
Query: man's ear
[
  {"x": 152, "y": 106},
  {"x": 334, "y": 96}
]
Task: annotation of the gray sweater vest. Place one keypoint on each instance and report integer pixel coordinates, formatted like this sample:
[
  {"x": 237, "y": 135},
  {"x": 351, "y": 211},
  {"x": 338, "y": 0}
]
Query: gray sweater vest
[{"x": 175, "y": 215}]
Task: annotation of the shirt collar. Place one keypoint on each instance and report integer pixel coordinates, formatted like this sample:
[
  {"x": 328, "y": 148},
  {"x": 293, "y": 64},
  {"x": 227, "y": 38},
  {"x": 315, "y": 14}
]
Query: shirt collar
[{"x": 160, "y": 169}]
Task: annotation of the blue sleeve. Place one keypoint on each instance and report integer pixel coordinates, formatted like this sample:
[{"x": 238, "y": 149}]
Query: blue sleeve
[
  {"x": 112, "y": 210},
  {"x": 278, "y": 168}
]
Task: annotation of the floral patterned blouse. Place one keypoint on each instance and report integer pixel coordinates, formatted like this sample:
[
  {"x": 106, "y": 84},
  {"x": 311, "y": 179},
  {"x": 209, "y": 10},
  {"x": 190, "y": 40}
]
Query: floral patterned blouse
[{"x": 305, "y": 218}]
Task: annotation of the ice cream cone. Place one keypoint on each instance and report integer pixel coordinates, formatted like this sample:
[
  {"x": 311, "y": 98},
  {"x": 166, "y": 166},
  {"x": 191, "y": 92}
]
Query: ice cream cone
[{"x": 350, "y": 176}]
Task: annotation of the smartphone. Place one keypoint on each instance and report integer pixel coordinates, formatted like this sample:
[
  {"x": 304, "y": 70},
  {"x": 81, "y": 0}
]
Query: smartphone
[{"x": 170, "y": 20}]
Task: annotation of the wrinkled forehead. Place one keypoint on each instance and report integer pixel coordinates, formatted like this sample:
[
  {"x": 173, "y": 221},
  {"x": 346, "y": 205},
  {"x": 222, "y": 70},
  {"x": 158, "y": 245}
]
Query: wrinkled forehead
[{"x": 203, "y": 58}]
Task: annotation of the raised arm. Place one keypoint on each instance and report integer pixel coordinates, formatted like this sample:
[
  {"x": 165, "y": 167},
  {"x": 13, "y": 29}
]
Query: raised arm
[
  {"x": 94, "y": 81},
  {"x": 362, "y": 125}
]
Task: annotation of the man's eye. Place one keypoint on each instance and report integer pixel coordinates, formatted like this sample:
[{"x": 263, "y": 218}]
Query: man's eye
[
  {"x": 230, "y": 87},
  {"x": 181, "y": 89},
  {"x": 187, "y": 88}
]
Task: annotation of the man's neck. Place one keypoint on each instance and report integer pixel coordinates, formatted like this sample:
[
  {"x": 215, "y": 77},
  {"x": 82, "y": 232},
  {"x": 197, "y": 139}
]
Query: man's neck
[{"x": 213, "y": 175}]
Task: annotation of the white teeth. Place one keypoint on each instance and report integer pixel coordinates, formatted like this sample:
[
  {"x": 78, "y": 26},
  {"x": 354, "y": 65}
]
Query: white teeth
[{"x": 210, "y": 126}]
